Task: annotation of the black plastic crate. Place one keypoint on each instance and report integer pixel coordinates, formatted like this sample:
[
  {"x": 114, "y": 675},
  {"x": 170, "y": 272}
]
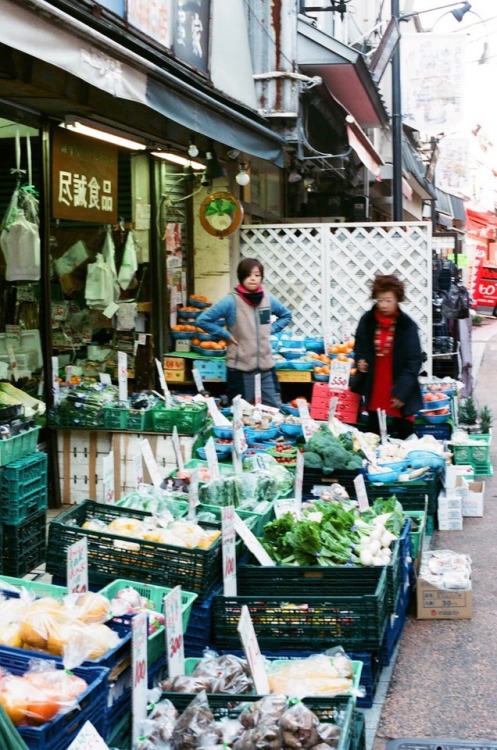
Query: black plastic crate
[
  {"x": 347, "y": 615},
  {"x": 345, "y": 477},
  {"x": 24, "y": 545},
  {"x": 358, "y": 731},
  {"x": 112, "y": 556},
  {"x": 419, "y": 494}
]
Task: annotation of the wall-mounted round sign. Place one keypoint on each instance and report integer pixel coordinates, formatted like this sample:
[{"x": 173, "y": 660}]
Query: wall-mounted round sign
[{"x": 221, "y": 214}]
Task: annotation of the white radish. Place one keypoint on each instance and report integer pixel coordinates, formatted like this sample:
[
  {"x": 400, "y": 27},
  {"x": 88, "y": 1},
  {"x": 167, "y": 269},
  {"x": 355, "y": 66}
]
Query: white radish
[
  {"x": 366, "y": 557},
  {"x": 387, "y": 538}
]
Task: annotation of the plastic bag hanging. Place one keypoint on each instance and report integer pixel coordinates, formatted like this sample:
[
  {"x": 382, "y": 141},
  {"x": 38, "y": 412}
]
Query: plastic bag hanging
[
  {"x": 99, "y": 288},
  {"x": 129, "y": 265},
  {"x": 109, "y": 258}
]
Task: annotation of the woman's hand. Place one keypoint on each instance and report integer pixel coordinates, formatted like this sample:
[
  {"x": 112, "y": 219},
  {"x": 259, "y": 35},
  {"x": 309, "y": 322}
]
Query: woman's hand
[
  {"x": 233, "y": 341},
  {"x": 362, "y": 365},
  {"x": 397, "y": 403}
]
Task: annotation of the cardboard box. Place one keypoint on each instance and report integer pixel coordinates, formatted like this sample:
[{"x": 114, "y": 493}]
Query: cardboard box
[
  {"x": 174, "y": 363},
  {"x": 294, "y": 376},
  {"x": 442, "y": 604},
  {"x": 450, "y": 524},
  {"x": 472, "y": 503},
  {"x": 175, "y": 376},
  {"x": 453, "y": 472}
]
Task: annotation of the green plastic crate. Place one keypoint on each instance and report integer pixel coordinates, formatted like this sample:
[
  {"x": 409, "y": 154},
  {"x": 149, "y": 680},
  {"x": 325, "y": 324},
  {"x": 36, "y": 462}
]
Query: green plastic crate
[
  {"x": 37, "y": 588},
  {"x": 139, "y": 420},
  {"x": 475, "y": 452},
  {"x": 23, "y": 488},
  {"x": 418, "y": 494},
  {"x": 24, "y": 545},
  {"x": 321, "y": 705},
  {"x": 156, "y": 594},
  {"x": 352, "y": 614},
  {"x": 115, "y": 417},
  {"x": 417, "y": 535},
  {"x": 188, "y": 419},
  {"x": 112, "y": 556},
  {"x": 18, "y": 446}
]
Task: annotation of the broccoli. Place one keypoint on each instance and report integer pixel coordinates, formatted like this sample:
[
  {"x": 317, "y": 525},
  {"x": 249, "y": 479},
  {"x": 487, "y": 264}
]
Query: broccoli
[
  {"x": 335, "y": 457},
  {"x": 355, "y": 462},
  {"x": 346, "y": 440},
  {"x": 322, "y": 441},
  {"x": 312, "y": 460}
]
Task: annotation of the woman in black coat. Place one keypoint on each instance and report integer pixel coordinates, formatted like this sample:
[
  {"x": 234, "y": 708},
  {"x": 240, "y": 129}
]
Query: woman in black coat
[{"x": 389, "y": 358}]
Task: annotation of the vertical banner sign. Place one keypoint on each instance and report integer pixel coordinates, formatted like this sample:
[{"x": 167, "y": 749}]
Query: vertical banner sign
[
  {"x": 257, "y": 390},
  {"x": 211, "y": 455},
  {"x": 253, "y": 652},
  {"x": 309, "y": 426},
  {"x": 108, "y": 486},
  {"x": 174, "y": 633},
  {"x": 239, "y": 440},
  {"x": 332, "y": 409},
  {"x": 197, "y": 379},
  {"x": 138, "y": 465},
  {"x": 193, "y": 500},
  {"x": 299, "y": 479},
  {"x": 55, "y": 380},
  {"x": 339, "y": 375},
  {"x": 139, "y": 693},
  {"x": 77, "y": 567},
  {"x": 382, "y": 421},
  {"x": 177, "y": 449},
  {"x": 151, "y": 463},
  {"x": 229, "y": 551},
  {"x": 219, "y": 419},
  {"x": 163, "y": 384},
  {"x": 122, "y": 375},
  {"x": 361, "y": 492}
]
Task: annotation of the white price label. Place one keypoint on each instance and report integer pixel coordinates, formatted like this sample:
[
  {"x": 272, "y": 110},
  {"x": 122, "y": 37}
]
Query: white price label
[
  {"x": 303, "y": 408},
  {"x": 361, "y": 492},
  {"x": 108, "y": 483},
  {"x": 77, "y": 567},
  {"x": 174, "y": 633},
  {"x": 251, "y": 542},
  {"x": 332, "y": 409},
  {"x": 239, "y": 440},
  {"x": 219, "y": 419},
  {"x": 327, "y": 336},
  {"x": 309, "y": 427},
  {"x": 193, "y": 500},
  {"x": 299, "y": 479},
  {"x": 138, "y": 465},
  {"x": 122, "y": 375},
  {"x": 163, "y": 384},
  {"x": 368, "y": 452},
  {"x": 88, "y": 739},
  {"x": 69, "y": 370},
  {"x": 257, "y": 389},
  {"x": 55, "y": 380},
  {"x": 105, "y": 378},
  {"x": 212, "y": 460},
  {"x": 339, "y": 375},
  {"x": 151, "y": 463},
  {"x": 139, "y": 693},
  {"x": 237, "y": 462},
  {"x": 285, "y": 505},
  {"x": 229, "y": 550},
  {"x": 253, "y": 652},
  {"x": 346, "y": 330},
  {"x": 177, "y": 449},
  {"x": 197, "y": 379}
]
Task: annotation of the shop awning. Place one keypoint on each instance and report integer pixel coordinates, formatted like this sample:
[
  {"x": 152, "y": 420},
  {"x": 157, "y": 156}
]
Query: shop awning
[
  {"x": 344, "y": 74},
  {"x": 363, "y": 147},
  {"x": 48, "y": 34}
]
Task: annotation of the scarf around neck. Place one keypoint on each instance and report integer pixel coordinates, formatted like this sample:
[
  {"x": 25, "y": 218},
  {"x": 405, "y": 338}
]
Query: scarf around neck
[
  {"x": 385, "y": 332},
  {"x": 251, "y": 298}
]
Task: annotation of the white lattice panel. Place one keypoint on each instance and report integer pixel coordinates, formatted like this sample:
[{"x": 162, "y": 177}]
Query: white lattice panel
[{"x": 323, "y": 272}]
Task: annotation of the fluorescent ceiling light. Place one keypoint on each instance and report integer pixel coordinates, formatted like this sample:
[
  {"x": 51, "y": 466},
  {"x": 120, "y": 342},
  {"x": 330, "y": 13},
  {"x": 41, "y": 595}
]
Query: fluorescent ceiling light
[
  {"x": 102, "y": 135},
  {"x": 177, "y": 159}
]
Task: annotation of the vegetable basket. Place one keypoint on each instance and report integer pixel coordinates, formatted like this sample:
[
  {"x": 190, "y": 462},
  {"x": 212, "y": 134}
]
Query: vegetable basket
[
  {"x": 155, "y": 594},
  {"x": 322, "y": 706},
  {"x": 112, "y": 556}
]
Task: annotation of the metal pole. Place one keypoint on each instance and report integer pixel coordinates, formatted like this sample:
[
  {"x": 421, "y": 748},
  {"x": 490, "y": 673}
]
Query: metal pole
[{"x": 397, "y": 206}]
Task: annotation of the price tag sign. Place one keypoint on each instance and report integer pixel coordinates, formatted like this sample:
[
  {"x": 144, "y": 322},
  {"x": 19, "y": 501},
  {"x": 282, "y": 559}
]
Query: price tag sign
[
  {"x": 122, "y": 375},
  {"x": 197, "y": 379},
  {"x": 328, "y": 337},
  {"x": 309, "y": 427},
  {"x": 55, "y": 380},
  {"x": 219, "y": 419},
  {"x": 236, "y": 460},
  {"x": 163, "y": 384},
  {"x": 138, "y": 465},
  {"x": 77, "y": 567},
  {"x": 105, "y": 378},
  {"x": 303, "y": 408},
  {"x": 177, "y": 449},
  {"x": 382, "y": 421},
  {"x": 251, "y": 542},
  {"x": 229, "y": 550},
  {"x": 333, "y": 408},
  {"x": 139, "y": 635},
  {"x": 151, "y": 463},
  {"x": 88, "y": 739},
  {"x": 239, "y": 439},
  {"x": 69, "y": 369},
  {"x": 108, "y": 486},
  {"x": 212, "y": 460},
  {"x": 285, "y": 505},
  {"x": 252, "y": 652},
  {"x": 257, "y": 389},
  {"x": 339, "y": 375},
  {"x": 368, "y": 452},
  {"x": 361, "y": 492},
  {"x": 346, "y": 330},
  {"x": 299, "y": 479},
  {"x": 193, "y": 500},
  {"x": 174, "y": 633}
]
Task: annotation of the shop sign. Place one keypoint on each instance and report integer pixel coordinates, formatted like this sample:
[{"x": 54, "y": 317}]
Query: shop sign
[
  {"x": 84, "y": 183},
  {"x": 191, "y": 39},
  {"x": 153, "y": 18},
  {"x": 485, "y": 288}
]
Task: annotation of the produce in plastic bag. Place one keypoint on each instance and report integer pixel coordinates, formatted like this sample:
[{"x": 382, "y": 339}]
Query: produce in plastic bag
[{"x": 318, "y": 674}]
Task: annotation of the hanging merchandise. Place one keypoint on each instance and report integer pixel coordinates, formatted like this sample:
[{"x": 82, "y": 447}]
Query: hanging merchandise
[
  {"x": 129, "y": 265},
  {"x": 19, "y": 235},
  {"x": 99, "y": 289},
  {"x": 109, "y": 257},
  {"x": 126, "y": 316}
]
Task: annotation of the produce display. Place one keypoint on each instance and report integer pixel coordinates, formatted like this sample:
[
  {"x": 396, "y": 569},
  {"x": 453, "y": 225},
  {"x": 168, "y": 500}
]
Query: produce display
[
  {"x": 157, "y": 502},
  {"x": 12, "y": 396},
  {"x": 128, "y": 601},
  {"x": 179, "y": 533},
  {"x": 38, "y": 695},
  {"x": 330, "y": 534},
  {"x": 272, "y": 723},
  {"x": 329, "y": 452}
]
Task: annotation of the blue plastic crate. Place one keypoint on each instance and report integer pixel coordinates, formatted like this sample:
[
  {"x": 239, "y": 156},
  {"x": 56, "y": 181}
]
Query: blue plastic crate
[
  {"x": 370, "y": 677},
  {"x": 395, "y": 627},
  {"x": 199, "y": 631},
  {"x": 61, "y": 731}
]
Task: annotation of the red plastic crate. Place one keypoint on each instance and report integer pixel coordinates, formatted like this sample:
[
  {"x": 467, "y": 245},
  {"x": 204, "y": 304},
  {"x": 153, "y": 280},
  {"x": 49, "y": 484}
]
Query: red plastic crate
[{"x": 347, "y": 407}]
